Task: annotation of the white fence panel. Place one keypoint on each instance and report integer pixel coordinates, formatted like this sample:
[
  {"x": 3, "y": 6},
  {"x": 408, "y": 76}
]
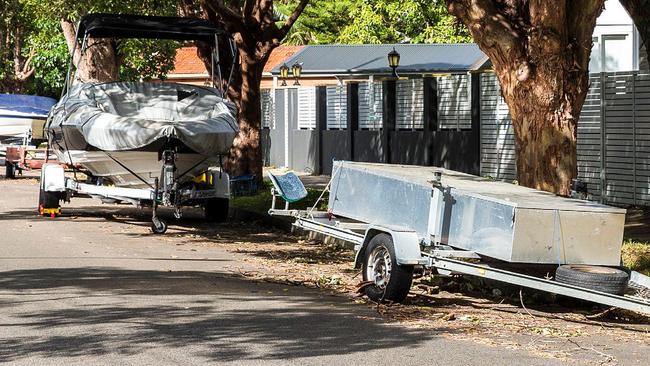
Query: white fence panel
[
  {"x": 306, "y": 108},
  {"x": 370, "y": 105},
  {"x": 589, "y": 138},
  {"x": 410, "y": 104},
  {"x": 337, "y": 105},
  {"x": 642, "y": 138},
  {"x": 454, "y": 102},
  {"x": 497, "y": 136},
  {"x": 268, "y": 108}
]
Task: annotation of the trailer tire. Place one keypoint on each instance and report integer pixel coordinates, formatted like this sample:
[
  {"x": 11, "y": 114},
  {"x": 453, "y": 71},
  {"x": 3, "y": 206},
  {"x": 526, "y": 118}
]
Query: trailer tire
[
  {"x": 604, "y": 279},
  {"x": 10, "y": 170},
  {"x": 380, "y": 260},
  {"x": 158, "y": 226},
  {"x": 216, "y": 209}
]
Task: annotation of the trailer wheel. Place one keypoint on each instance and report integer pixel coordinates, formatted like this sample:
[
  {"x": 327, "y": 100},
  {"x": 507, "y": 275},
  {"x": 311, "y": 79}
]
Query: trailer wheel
[
  {"x": 392, "y": 282},
  {"x": 158, "y": 226},
  {"x": 604, "y": 279},
  {"x": 216, "y": 209},
  {"x": 10, "y": 170}
]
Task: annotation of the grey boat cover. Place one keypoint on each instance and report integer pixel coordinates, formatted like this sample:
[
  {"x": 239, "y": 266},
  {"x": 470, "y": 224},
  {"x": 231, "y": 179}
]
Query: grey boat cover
[{"x": 120, "y": 116}]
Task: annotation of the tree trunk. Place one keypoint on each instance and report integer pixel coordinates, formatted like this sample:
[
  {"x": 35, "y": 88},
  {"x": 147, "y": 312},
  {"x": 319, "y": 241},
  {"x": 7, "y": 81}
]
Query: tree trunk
[
  {"x": 246, "y": 154},
  {"x": 255, "y": 32},
  {"x": 545, "y": 141},
  {"x": 99, "y": 63},
  {"x": 16, "y": 66},
  {"x": 540, "y": 53},
  {"x": 639, "y": 11}
]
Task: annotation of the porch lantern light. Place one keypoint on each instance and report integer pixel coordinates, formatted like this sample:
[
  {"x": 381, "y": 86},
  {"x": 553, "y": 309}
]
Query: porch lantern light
[
  {"x": 296, "y": 70},
  {"x": 393, "y": 61},
  {"x": 284, "y": 74}
]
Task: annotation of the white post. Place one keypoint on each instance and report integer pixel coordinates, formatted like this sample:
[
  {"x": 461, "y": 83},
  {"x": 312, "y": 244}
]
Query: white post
[{"x": 286, "y": 127}]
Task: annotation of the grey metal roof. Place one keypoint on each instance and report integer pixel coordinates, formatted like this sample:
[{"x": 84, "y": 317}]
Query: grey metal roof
[{"x": 372, "y": 59}]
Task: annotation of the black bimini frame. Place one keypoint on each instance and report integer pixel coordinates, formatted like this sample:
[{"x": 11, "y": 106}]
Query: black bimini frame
[{"x": 150, "y": 27}]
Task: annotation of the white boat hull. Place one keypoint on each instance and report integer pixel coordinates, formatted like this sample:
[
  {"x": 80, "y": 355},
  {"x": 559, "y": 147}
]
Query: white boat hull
[
  {"x": 142, "y": 165},
  {"x": 21, "y": 125}
]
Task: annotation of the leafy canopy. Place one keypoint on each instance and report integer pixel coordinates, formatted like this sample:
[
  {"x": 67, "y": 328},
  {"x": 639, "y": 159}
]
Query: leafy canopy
[
  {"x": 374, "y": 21},
  {"x": 323, "y": 21},
  {"x": 138, "y": 59},
  {"x": 403, "y": 21}
]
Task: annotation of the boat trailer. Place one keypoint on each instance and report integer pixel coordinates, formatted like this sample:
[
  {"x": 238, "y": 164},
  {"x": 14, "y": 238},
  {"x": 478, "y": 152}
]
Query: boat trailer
[
  {"x": 210, "y": 189},
  {"x": 402, "y": 218}
]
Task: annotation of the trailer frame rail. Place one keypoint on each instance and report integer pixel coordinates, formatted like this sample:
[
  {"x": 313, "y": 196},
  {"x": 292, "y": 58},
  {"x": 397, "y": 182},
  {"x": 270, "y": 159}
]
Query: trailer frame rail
[
  {"x": 444, "y": 261},
  {"x": 542, "y": 284}
]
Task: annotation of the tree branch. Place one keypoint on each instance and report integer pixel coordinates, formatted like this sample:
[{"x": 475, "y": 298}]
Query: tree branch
[
  {"x": 292, "y": 18},
  {"x": 248, "y": 7},
  {"x": 265, "y": 8},
  {"x": 70, "y": 34},
  {"x": 491, "y": 30},
  {"x": 639, "y": 11},
  {"x": 231, "y": 19},
  {"x": 581, "y": 20}
]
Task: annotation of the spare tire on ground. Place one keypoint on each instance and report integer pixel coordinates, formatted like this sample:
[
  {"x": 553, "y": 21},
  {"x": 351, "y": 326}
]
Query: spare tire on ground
[{"x": 604, "y": 279}]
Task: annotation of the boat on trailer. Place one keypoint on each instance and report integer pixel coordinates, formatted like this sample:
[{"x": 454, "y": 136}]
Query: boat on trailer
[
  {"x": 22, "y": 119},
  {"x": 146, "y": 143}
]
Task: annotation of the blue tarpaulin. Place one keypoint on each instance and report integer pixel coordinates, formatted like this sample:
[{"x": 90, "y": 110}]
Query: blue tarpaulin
[{"x": 31, "y": 104}]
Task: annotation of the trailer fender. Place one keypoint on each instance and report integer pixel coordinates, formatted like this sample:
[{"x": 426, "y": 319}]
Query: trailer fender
[
  {"x": 406, "y": 242},
  {"x": 53, "y": 178},
  {"x": 221, "y": 183}
]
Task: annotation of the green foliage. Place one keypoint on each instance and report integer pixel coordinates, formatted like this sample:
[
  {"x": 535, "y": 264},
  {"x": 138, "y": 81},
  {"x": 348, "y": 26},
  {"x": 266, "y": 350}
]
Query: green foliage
[
  {"x": 403, "y": 21},
  {"x": 14, "y": 26},
  {"x": 146, "y": 59},
  {"x": 140, "y": 59},
  {"x": 320, "y": 23},
  {"x": 261, "y": 202},
  {"x": 636, "y": 256},
  {"x": 373, "y": 21},
  {"x": 50, "y": 60}
]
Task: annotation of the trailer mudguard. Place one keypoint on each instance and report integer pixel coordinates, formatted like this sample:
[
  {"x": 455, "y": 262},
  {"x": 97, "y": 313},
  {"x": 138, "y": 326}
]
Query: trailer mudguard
[
  {"x": 221, "y": 182},
  {"x": 53, "y": 178},
  {"x": 406, "y": 242}
]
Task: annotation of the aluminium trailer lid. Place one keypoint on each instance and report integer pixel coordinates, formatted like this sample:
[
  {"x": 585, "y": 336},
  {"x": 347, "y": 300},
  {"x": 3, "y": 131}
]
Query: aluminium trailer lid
[{"x": 494, "y": 219}]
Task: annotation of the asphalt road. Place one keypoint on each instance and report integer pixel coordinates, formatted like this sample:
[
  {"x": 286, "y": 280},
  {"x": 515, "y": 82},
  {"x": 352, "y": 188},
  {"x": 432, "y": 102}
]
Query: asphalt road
[{"x": 87, "y": 290}]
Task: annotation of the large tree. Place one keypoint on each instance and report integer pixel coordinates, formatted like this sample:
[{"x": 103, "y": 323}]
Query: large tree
[
  {"x": 16, "y": 67},
  {"x": 639, "y": 11},
  {"x": 256, "y": 30},
  {"x": 540, "y": 53}
]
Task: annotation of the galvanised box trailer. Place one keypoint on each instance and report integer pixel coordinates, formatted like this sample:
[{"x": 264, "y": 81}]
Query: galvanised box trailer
[{"x": 400, "y": 218}]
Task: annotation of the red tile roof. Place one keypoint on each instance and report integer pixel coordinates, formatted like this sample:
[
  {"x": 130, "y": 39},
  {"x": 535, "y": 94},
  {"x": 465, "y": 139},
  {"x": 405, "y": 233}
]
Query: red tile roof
[
  {"x": 188, "y": 62},
  {"x": 279, "y": 55}
]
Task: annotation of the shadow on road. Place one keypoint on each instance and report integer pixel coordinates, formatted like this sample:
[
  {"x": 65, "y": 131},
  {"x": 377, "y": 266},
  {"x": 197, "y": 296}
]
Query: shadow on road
[{"x": 216, "y": 314}]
